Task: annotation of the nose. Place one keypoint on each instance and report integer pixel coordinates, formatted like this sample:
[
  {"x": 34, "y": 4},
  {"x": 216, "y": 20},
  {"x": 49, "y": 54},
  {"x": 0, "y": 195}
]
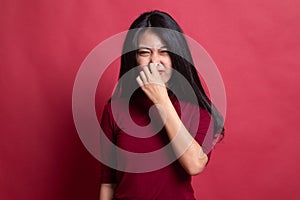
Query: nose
[{"x": 155, "y": 58}]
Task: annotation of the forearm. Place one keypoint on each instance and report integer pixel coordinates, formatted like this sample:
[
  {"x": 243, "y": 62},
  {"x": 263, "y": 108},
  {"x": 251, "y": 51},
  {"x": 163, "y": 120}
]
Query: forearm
[
  {"x": 192, "y": 158},
  {"x": 107, "y": 191}
]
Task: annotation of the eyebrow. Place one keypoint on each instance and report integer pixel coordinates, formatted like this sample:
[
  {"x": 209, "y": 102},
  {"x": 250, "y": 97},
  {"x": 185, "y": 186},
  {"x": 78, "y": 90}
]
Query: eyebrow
[{"x": 145, "y": 47}]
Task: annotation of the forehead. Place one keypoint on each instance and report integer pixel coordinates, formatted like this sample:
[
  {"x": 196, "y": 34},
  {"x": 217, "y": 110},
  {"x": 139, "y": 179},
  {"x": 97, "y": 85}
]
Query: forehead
[{"x": 150, "y": 39}]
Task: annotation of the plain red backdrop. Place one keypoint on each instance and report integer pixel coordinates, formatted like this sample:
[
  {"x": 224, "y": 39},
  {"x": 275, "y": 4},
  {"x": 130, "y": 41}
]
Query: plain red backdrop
[{"x": 255, "y": 44}]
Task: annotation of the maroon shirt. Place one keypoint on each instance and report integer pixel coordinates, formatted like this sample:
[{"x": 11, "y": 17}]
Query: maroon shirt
[{"x": 169, "y": 182}]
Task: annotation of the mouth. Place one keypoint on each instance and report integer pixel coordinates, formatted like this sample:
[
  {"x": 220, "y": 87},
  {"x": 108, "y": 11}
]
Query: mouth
[{"x": 161, "y": 71}]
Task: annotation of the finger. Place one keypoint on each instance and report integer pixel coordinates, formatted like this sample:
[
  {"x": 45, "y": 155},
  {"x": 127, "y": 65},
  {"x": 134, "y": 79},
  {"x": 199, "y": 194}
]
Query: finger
[
  {"x": 143, "y": 77},
  {"x": 139, "y": 81},
  {"x": 153, "y": 68},
  {"x": 147, "y": 72},
  {"x": 141, "y": 67}
]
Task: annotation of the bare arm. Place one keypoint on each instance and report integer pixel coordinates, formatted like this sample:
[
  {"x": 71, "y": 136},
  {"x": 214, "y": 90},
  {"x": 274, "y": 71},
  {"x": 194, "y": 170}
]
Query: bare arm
[
  {"x": 193, "y": 160},
  {"x": 107, "y": 191}
]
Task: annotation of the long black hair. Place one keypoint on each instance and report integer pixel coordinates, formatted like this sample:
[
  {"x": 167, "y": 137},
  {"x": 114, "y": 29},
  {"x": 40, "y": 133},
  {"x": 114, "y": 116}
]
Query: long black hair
[{"x": 171, "y": 33}]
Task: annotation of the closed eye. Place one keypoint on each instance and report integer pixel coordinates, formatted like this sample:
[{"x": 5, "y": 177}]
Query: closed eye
[
  {"x": 143, "y": 53},
  {"x": 164, "y": 52}
]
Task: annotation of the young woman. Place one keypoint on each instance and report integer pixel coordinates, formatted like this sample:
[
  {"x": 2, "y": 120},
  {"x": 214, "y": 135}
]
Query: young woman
[{"x": 156, "y": 61}]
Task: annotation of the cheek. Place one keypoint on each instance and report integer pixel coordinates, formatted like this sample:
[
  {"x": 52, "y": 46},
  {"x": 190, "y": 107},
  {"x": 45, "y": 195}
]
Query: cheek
[
  {"x": 168, "y": 62},
  {"x": 142, "y": 60},
  {"x": 169, "y": 71}
]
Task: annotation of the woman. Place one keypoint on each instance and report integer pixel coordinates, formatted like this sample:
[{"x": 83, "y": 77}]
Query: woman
[{"x": 159, "y": 50}]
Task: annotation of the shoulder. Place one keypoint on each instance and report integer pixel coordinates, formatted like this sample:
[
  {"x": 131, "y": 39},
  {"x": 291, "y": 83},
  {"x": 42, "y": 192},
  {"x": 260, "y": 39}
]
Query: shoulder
[
  {"x": 115, "y": 109},
  {"x": 114, "y": 104}
]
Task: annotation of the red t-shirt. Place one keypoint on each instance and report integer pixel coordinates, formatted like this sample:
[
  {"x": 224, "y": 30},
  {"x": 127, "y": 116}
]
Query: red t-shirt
[{"x": 168, "y": 182}]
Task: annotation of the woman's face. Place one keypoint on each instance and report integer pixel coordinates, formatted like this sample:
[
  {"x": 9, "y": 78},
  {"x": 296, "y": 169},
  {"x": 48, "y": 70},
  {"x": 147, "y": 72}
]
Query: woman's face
[{"x": 151, "y": 49}]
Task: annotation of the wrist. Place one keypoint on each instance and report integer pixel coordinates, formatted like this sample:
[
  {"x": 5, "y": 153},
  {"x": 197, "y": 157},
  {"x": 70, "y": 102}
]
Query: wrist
[
  {"x": 164, "y": 103},
  {"x": 165, "y": 108}
]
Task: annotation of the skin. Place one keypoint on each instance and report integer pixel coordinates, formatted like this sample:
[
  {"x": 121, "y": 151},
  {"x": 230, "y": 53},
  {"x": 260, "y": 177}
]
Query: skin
[
  {"x": 155, "y": 70},
  {"x": 152, "y": 51}
]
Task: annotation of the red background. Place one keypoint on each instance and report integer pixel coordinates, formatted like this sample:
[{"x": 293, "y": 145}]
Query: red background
[{"x": 255, "y": 44}]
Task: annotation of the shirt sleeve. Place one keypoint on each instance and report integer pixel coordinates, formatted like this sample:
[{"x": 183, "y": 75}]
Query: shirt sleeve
[
  {"x": 205, "y": 132},
  {"x": 108, "y": 154}
]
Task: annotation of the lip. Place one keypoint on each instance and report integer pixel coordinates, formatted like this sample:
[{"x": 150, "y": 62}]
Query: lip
[{"x": 161, "y": 71}]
